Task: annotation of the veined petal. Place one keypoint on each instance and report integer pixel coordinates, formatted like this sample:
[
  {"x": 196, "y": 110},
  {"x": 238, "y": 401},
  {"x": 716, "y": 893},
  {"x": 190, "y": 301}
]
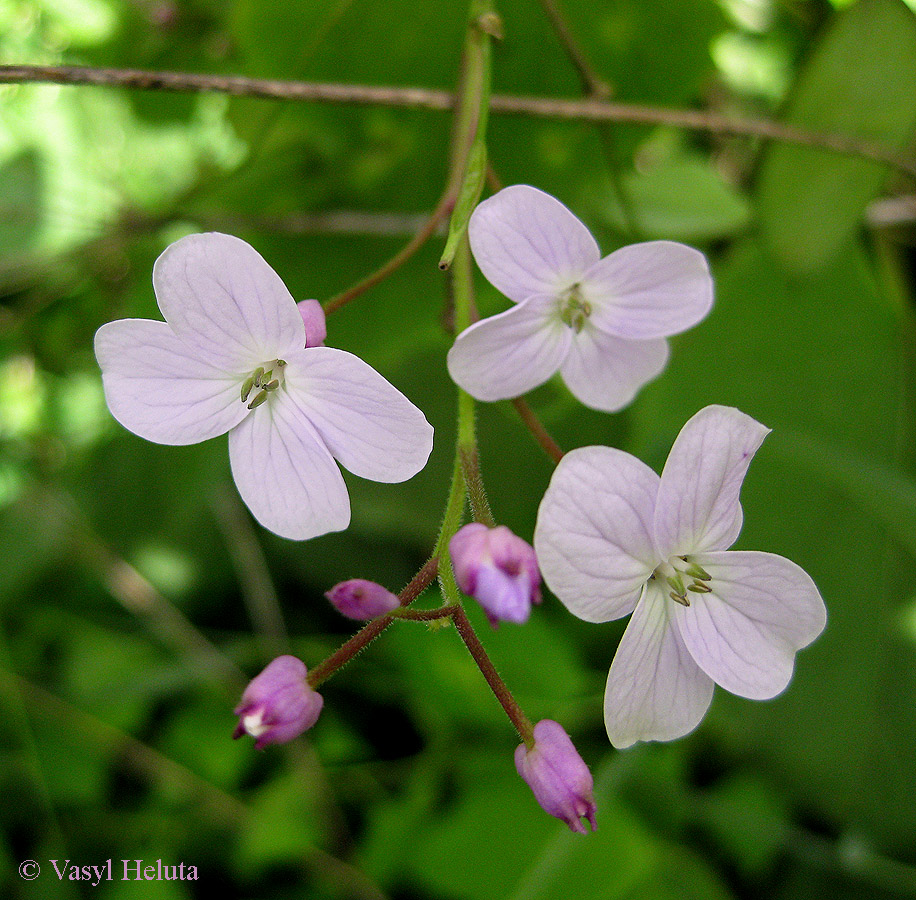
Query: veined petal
[
  {"x": 655, "y": 691},
  {"x": 527, "y": 242},
  {"x": 593, "y": 537},
  {"x": 365, "y": 422},
  {"x": 285, "y": 474},
  {"x": 745, "y": 634},
  {"x": 157, "y": 387},
  {"x": 222, "y": 298},
  {"x": 606, "y": 372},
  {"x": 648, "y": 290},
  {"x": 698, "y": 506},
  {"x": 511, "y": 353}
]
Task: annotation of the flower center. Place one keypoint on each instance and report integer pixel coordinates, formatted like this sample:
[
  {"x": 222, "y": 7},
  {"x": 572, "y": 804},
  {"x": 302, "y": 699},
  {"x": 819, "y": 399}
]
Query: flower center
[
  {"x": 574, "y": 310},
  {"x": 262, "y": 382},
  {"x": 677, "y": 572}
]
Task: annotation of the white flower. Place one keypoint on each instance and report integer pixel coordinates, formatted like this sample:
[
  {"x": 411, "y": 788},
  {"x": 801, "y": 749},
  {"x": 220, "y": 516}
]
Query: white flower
[
  {"x": 601, "y": 322},
  {"x": 231, "y": 356},
  {"x": 613, "y": 538}
]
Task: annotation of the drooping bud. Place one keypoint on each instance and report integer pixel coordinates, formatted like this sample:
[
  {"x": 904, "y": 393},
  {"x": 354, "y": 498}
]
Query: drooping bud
[
  {"x": 316, "y": 329},
  {"x": 555, "y": 772},
  {"x": 498, "y": 569},
  {"x": 278, "y": 705},
  {"x": 361, "y": 599}
]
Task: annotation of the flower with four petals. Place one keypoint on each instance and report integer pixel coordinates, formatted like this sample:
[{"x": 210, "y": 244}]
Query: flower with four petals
[
  {"x": 614, "y": 538},
  {"x": 601, "y": 322},
  {"x": 231, "y": 356}
]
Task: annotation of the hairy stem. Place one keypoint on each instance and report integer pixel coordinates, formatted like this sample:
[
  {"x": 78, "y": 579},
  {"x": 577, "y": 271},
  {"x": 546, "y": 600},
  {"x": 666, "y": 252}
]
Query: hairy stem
[
  {"x": 369, "y": 632},
  {"x": 518, "y": 718}
]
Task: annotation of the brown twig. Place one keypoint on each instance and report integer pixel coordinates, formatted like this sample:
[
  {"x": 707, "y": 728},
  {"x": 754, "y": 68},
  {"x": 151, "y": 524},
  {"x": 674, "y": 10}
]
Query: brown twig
[
  {"x": 538, "y": 431},
  {"x": 405, "y": 253},
  {"x": 592, "y": 83},
  {"x": 423, "y": 98},
  {"x": 515, "y": 713}
]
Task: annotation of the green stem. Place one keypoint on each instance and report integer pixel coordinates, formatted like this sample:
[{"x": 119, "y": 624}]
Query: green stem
[
  {"x": 467, "y": 173},
  {"x": 463, "y": 299},
  {"x": 451, "y": 521}
]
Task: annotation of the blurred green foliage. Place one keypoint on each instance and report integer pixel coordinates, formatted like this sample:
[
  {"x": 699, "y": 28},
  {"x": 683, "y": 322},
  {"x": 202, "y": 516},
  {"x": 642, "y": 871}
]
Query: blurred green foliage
[{"x": 129, "y": 572}]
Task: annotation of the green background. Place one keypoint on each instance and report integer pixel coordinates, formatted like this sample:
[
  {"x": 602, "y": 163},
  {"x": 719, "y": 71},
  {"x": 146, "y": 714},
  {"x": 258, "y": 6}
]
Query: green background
[{"x": 131, "y": 576}]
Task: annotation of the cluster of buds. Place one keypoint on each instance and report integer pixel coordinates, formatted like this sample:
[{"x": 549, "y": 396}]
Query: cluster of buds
[{"x": 499, "y": 570}]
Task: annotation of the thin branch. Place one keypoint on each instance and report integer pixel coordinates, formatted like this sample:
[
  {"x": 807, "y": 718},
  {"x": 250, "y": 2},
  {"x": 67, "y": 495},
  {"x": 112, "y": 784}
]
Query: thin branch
[
  {"x": 369, "y": 632},
  {"x": 515, "y": 713},
  {"x": 538, "y": 431},
  {"x": 405, "y": 253},
  {"x": 423, "y": 98},
  {"x": 592, "y": 83}
]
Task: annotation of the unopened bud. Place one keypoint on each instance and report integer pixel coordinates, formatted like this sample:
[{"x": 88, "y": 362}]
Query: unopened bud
[
  {"x": 361, "y": 599},
  {"x": 498, "y": 569},
  {"x": 555, "y": 772},
  {"x": 316, "y": 329},
  {"x": 278, "y": 705}
]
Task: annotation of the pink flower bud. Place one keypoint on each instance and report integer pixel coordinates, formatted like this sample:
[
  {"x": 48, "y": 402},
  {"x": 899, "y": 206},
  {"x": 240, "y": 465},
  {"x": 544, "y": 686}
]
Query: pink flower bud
[
  {"x": 361, "y": 599},
  {"x": 555, "y": 772},
  {"x": 316, "y": 329},
  {"x": 497, "y": 569},
  {"x": 278, "y": 704}
]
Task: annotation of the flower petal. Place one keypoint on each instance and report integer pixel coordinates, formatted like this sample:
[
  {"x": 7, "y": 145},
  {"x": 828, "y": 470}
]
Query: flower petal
[
  {"x": 527, "y": 242},
  {"x": 593, "y": 537},
  {"x": 745, "y": 634},
  {"x": 655, "y": 691},
  {"x": 512, "y": 353},
  {"x": 222, "y": 298},
  {"x": 158, "y": 388},
  {"x": 649, "y": 290},
  {"x": 606, "y": 372},
  {"x": 698, "y": 506},
  {"x": 285, "y": 474},
  {"x": 365, "y": 422}
]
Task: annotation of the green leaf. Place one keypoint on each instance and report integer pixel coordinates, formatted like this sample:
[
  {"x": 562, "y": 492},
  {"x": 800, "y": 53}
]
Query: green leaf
[
  {"x": 681, "y": 199},
  {"x": 886, "y": 494},
  {"x": 860, "y": 82}
]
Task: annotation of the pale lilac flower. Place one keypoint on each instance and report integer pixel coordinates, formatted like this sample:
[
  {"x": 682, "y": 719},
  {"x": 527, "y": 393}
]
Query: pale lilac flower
[
  {"x": 601, "y": 322},
  {"x": 559, "y": 779},
  {"x": 360, "y": 599},
  {"x": 278, "y": 705},
  {"x": 232, "y": 356},
  {"x": 613, "y": 538},
  {"x": 498, "y": 569}
]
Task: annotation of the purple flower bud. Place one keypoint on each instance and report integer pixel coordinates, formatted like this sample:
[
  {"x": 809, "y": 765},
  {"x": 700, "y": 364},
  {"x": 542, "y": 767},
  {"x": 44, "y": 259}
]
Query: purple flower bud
[
  {"x": 555, "y": 772},
  {"x": 361, "y": 599},
  {"x": 316, "y": 329},
  {"x": 497, "y": 569},
  {"x": 278, "y": 704}
]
